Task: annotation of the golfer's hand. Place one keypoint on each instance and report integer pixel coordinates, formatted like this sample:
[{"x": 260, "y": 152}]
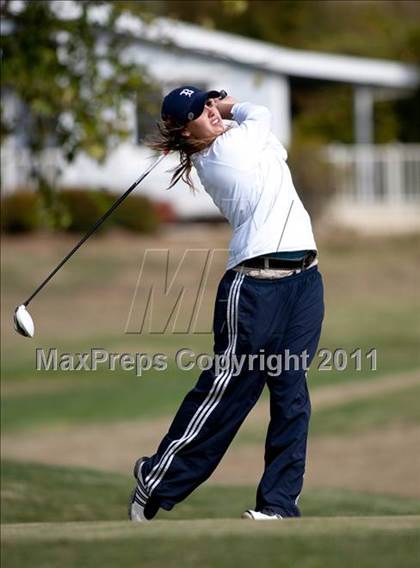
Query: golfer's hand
[{"x": 225, "y": 106}]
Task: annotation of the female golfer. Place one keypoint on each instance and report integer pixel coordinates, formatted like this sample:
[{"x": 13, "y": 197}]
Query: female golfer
[{"x": 269, "y": 307}]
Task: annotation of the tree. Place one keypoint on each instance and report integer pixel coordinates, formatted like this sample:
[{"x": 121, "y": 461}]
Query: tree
[
  {"x": 386, "y": 29},
  {"x": 333, "y": 26},
  {"x": 62, "y": 67}
]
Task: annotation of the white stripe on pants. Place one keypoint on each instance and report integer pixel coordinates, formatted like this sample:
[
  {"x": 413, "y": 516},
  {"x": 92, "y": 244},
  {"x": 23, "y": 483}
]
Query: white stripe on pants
[{"x": 212, "y": 399}]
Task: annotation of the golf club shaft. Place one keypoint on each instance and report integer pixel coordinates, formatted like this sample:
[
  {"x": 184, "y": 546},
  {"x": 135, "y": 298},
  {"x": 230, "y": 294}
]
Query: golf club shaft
[{"x": 95, "y": 226}]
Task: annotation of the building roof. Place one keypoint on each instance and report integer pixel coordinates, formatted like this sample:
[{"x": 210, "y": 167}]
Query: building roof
[
  {"x": 272, "y": 58},
  {"x": 260, "y": 55}
]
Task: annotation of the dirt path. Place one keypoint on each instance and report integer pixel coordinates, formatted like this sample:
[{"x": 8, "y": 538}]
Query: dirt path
[
  {"x": 382, "y": 461},
  {"x": 336, "y": 395}
]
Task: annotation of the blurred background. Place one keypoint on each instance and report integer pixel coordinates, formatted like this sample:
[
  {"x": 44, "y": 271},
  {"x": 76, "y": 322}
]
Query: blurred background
[{"x": 82, "y": 84}]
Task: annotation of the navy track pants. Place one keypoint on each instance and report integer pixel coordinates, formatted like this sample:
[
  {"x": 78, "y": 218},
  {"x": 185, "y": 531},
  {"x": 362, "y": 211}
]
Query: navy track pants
[{"x": 280, "y": 317}]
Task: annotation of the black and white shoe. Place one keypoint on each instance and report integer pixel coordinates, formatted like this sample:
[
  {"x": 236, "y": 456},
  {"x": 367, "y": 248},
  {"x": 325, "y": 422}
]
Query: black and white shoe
[
  {"x": 135, "y": 506},
  {"x": 266, "y": 514},
  {"x": 135, "y": 510}
]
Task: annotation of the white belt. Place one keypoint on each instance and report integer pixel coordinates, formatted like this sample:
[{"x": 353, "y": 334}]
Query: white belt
[{"x": 271, "y": 273}]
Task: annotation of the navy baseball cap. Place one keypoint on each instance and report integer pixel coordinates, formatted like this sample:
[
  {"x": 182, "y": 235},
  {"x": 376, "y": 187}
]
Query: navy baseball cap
[{"x": 185, "y": 103}]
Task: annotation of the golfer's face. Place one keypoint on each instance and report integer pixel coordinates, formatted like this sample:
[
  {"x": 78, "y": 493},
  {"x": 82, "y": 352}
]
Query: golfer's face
[{"x": 208, "y": 124}]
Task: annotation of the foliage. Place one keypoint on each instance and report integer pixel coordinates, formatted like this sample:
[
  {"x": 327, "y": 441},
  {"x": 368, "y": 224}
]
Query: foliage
[
  {"x": 64, "y": 83},
  {"x": 82, "y": 208},
  {"x": 21, "y": 212},
  {"x": 138, "y": 214},
  {"x": 165, "y": 211},
  {"x": 323, "y": 112},
  {"x": 312, "y": 176},
  {"x": 337, "y": 26}
]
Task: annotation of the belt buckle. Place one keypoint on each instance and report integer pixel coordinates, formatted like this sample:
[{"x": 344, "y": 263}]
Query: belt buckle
[{"x": 308, "y": 260}]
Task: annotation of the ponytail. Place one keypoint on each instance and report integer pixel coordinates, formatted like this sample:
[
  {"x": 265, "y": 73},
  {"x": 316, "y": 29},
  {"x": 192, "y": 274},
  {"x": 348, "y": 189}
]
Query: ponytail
[{"x": 170, "y": 138}]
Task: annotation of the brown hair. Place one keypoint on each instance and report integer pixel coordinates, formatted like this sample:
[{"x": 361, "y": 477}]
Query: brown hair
[{"x": 170, "y": 138}]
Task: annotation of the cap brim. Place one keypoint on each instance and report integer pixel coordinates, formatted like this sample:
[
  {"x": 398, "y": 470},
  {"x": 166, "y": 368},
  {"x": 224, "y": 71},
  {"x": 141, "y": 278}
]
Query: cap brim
[
  {"x": 213, "y": 94},
  {"x": 200, "y": 100}
]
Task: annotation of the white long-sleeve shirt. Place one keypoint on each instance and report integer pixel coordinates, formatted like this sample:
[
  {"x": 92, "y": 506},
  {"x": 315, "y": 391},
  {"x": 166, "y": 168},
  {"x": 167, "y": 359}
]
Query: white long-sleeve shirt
[{"x": 245, "y": 172}]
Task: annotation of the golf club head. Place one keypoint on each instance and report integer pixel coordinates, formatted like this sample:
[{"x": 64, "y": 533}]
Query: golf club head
[{"x": 23, "y": 321}]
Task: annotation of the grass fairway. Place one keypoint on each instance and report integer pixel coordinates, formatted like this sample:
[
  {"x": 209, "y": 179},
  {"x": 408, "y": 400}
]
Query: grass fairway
[
  {"x": 88, "y": 302},
  {"x": 361, "y": 416},
  {"x": 204, "y": 530},
  {"x": 307, "y": 543},
  {"x": 32, "y": 493},
  {"x": 68, "y": 516}
]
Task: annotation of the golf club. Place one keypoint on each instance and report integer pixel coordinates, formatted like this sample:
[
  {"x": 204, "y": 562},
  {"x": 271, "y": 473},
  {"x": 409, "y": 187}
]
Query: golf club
[{"x": 22, "y": 319}]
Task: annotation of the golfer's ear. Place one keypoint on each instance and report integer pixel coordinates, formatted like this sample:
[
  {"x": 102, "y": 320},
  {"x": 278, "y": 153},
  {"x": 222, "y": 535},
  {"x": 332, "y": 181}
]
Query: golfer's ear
[{"x": 186, "y": 133}]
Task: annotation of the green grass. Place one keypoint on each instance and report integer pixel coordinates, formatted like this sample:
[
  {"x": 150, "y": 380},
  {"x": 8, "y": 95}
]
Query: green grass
[
  {"x": 392, "y": 329},
  {"x": 21, "y": 262},
  {"x": 38, "y": 493},
  {"x": 369, "y": 304},
  {"x": 99, "y": 399},
  {"x": 103, "y": 398},
  {"x": 355, "y": 417},
  {"x": 400, "y": 407},
  {"x": 19, "y": 361},
  {"x": 87, "y": 304},
  {"x": 308, "y": 543}
]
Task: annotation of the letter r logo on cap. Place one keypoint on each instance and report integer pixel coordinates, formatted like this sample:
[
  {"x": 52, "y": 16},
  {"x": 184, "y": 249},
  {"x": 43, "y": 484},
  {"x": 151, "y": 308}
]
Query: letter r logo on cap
[{"x": 186, "y": 92}]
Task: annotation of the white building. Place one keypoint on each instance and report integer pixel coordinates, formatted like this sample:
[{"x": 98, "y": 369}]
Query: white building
[{"x": 379, "y": 184}]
